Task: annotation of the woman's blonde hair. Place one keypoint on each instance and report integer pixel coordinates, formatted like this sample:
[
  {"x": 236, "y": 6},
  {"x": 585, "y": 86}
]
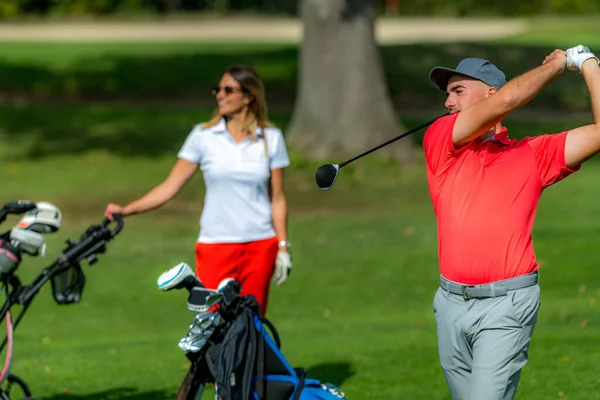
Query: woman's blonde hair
[{"x": 252, "y": 85}]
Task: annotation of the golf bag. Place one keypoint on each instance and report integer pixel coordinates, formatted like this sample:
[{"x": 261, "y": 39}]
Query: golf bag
[
  {"x": 65, "y": 273},
  {"x": 245, "y": 362},
  {"x": 277, "y": 379}
]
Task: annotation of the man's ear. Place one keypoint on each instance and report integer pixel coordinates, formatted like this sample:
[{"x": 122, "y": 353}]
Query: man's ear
[{"x": 491, "y": 90}]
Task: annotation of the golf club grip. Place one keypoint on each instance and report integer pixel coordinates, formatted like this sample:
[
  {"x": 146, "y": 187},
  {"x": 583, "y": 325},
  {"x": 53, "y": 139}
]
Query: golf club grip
[
  {"x": 18, "y": 207},
  {"x": 392, "y": 140},
  {"x": 15, "y": 207}
]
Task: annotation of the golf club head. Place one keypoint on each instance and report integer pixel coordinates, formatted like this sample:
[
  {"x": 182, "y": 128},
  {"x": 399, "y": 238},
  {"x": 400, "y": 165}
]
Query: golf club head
[
  {"x": 179, "y": 277},
  {"x": 230, "y": 289},
  {"x": 200, "y": 330},
  {"x": 224, "y": 284},
  {"x": 203, "y": 321},
  {"x": 326, "y": 175},
  {"x": 194, "y": 343},
  {"x": 202, "y": 299}
]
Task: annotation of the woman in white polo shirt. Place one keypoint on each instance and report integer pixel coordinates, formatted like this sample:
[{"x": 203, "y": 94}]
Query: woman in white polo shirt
[{"x": 243, "y": 226}]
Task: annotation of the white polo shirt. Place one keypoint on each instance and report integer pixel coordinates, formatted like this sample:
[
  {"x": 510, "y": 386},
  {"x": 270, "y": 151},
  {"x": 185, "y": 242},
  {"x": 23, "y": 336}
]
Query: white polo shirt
[{"x": 237, "y": 207}]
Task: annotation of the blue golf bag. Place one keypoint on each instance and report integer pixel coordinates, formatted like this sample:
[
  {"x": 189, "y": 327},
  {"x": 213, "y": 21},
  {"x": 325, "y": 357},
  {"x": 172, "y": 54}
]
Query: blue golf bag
[
  {"x": 277, "y": 379},
  {"x": 243, "y": 361}
]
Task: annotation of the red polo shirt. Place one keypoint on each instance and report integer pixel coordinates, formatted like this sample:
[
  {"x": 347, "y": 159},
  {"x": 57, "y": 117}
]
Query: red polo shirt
[{"x": 485, "y": 196}]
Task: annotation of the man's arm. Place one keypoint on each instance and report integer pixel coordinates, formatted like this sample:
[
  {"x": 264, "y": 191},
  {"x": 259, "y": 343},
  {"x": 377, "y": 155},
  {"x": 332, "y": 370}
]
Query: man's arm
[
  {"x": 582, "y": 143},
  {"x": 484, "y": 115}
]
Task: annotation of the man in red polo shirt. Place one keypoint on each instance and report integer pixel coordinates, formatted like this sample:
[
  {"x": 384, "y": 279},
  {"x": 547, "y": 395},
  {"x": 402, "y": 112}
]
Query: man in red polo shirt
[{"x": 485, "y": 189}]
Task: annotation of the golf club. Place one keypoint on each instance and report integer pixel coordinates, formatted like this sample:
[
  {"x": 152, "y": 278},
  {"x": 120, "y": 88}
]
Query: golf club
[{"x": 327, "y": 174}]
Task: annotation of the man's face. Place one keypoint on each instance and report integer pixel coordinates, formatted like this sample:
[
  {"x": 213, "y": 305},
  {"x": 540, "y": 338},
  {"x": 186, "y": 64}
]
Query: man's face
[{"x": 462, "y": 92}]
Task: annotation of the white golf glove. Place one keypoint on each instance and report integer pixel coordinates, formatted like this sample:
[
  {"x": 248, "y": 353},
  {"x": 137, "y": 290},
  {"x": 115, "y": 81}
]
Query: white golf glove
[
  {"x": 577, "y": 55},
  {"x": 283, "y": 266}
]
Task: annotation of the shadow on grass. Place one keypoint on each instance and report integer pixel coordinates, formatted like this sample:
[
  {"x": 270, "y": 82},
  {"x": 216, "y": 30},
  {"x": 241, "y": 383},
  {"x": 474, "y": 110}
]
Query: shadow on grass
[
  {"x": 115, "y": 394},
  {"x": 66, "y": 118},
  {"x": 335, "y": 373},
  {"x": 190, "y": 76}
]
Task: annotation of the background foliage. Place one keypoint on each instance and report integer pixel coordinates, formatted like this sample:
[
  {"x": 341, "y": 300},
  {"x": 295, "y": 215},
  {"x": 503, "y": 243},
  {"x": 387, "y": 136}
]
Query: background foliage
[{"x": 462, "y": 8}]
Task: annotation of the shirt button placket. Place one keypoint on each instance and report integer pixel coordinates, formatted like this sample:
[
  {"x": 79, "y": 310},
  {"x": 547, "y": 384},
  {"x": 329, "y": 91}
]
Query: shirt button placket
[{"x": 239, "y": 156}]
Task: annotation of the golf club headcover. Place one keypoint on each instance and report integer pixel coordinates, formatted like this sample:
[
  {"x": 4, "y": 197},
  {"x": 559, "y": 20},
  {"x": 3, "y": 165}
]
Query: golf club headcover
[
  {"x": 179, "y": 277},
  {"x": 29, "y": 242},
  {"x": 44, "y": 218}
]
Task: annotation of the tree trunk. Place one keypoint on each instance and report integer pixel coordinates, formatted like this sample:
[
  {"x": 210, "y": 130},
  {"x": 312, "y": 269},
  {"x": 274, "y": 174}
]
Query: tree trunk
[{"x": 343, "y": 107}]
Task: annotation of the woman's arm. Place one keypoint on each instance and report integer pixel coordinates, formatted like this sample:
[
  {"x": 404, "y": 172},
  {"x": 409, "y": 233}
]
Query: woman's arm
[
  {"x": 181, "y": 172},
  {"x": 279, "y": 206}
]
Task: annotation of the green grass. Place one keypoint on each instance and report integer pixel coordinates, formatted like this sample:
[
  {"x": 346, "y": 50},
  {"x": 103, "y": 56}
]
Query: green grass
[
  {"x": 560, "y": 32},
  {"x": 357, "y": 310},
  {"x": 131, "y": 130}
]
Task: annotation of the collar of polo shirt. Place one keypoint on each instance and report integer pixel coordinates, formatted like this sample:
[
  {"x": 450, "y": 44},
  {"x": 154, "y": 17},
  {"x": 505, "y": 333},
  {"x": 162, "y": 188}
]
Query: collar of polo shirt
[
  {"x": 501, "y": 137},
  {"x": 221, "y": 127}
]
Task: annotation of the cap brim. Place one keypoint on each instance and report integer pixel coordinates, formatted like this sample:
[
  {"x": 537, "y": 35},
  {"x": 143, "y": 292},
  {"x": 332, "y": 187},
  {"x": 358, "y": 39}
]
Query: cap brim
[{"x": 440, "y": 76}]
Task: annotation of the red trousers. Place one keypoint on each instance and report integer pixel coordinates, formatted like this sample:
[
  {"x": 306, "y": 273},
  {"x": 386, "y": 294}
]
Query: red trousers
[{"x": 250, "y": 264}]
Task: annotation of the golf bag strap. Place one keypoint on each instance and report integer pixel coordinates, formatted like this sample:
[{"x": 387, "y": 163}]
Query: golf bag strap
[
  {"x": 260, "y": 367},
  {"x": 301, "y": 372},
  {"x": 269, "y": 325}
]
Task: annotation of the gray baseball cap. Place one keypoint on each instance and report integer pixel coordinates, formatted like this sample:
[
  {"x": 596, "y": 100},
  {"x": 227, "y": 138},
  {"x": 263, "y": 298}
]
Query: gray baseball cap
[{"x": 476, "y": 68}]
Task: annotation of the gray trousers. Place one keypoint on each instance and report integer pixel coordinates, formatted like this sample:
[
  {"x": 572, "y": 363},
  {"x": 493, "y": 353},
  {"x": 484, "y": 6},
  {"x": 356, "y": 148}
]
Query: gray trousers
[{"x": 483, "y": 343}]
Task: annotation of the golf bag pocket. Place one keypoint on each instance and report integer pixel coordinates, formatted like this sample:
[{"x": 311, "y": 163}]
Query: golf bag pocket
[
  {"x": 286, "y": 387},
  {"x": 67, "y": 286},
  {"x": 9, "y": 259},
  {"x": 276, "y": 379}
]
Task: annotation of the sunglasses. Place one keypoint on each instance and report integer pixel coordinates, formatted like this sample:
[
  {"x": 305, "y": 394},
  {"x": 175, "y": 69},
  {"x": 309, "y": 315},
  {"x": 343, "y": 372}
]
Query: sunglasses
[{"x": 227, "y": 89}]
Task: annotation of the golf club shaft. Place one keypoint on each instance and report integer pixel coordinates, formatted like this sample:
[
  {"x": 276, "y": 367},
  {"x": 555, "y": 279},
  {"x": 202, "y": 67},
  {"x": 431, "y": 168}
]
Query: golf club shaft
[{"x": 392, "y": 140}]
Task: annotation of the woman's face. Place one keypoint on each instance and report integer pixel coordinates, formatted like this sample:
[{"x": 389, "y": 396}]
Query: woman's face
[{"x": 230, "y": 97}]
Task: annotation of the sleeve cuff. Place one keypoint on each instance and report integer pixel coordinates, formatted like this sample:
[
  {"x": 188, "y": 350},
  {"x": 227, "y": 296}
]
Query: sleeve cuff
[
  {"x": 280, "y": 164},
  {"x": 187, "y": 157}
]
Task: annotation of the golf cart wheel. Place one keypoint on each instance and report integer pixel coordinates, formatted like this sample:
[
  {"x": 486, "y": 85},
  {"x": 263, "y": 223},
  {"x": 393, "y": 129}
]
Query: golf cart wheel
[{"x": 15, "y": 380}]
